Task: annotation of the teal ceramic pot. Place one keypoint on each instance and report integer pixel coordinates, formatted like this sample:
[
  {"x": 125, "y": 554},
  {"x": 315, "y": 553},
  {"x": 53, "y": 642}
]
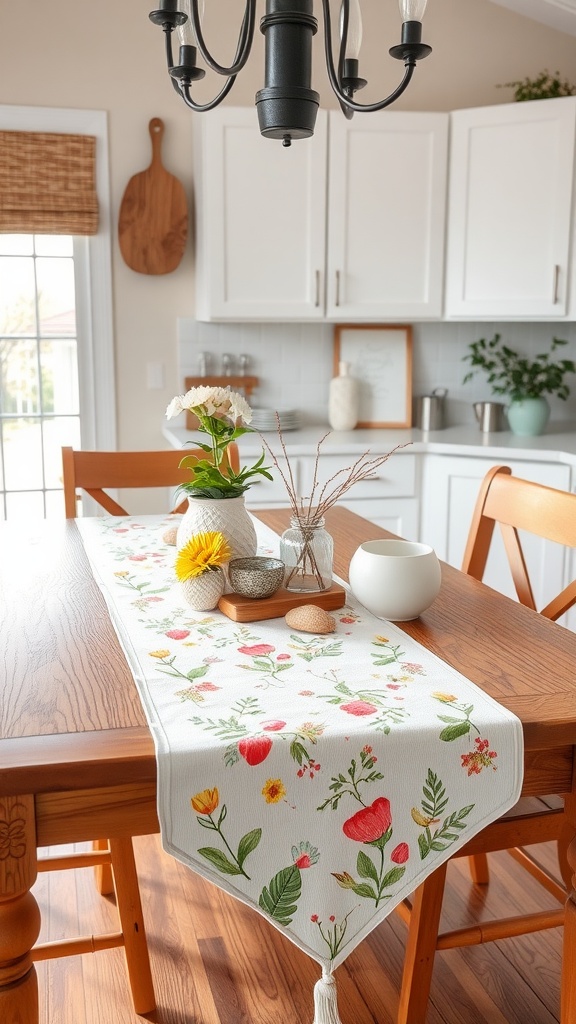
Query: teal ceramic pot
[{"x": 528, "y": 416}]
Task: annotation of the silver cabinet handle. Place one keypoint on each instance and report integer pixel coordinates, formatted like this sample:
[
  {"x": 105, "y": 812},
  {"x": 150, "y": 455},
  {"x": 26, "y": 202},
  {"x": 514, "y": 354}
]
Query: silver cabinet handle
[
  {"x": 317, "y": 302},
  {"x": 556, "y": 280},
  {"x": 337, "y": 299}
]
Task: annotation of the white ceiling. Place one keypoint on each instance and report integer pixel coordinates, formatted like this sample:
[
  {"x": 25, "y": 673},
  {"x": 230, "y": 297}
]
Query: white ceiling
[{"x": 558, "y": 14}]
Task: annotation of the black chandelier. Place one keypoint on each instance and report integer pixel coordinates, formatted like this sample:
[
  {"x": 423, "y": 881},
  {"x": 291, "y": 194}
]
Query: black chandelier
[{"x": 287, "y": 106}]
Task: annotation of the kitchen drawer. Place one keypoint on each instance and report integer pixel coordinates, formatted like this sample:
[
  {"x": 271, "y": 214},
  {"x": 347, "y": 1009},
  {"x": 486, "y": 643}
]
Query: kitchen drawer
[
  {"x": 398, "y": 515},
  {"x": 395, "y": 478}
]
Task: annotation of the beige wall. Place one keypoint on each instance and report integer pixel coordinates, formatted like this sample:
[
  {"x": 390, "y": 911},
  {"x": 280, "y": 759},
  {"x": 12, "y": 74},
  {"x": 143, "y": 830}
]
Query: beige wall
[{"x": 106, "y": 55}]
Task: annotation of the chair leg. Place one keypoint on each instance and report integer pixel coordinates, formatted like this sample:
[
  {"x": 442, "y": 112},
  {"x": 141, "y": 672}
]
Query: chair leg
[
  {"x": 103, "y": 872},
  {"x": 421, "y": 947},
  {"x": 479, "y": 871},
  {"x": 132, "y": 921}
]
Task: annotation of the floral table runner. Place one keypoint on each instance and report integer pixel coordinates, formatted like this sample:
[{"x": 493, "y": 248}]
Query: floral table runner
[{"x": 319, "y": 779}]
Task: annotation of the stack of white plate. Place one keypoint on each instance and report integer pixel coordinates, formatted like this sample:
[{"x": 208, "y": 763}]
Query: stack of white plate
[{"x": 265, "y": 419}]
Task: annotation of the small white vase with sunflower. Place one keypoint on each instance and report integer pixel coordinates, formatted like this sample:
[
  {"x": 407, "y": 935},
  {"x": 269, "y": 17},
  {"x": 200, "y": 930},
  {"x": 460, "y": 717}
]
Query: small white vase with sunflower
[
  {"x": 199, "y": 569},
  {"x": 203, "y": 592}
]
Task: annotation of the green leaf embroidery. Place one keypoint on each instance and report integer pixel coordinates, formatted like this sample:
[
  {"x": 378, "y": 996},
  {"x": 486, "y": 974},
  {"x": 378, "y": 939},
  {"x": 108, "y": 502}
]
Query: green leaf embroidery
[
  {"x": 366, "y": 868},
  {"x": 219, "y": 860},
  {"x": 366, "y": 891},
  {"x": 280, "y": 898},
  {"x": 248, "y": 843},
  {"x": 452, "y": 732}
]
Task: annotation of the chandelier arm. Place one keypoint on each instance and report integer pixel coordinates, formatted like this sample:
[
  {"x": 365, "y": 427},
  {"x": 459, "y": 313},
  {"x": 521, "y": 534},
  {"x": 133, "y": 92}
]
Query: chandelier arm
[
  {"x": 201, "y": 107},
  {"x": 346, "y": 101},
  {"x": 244, "y": 40},
  {"x": 170, "y": 55},
  {"x": 343, "y": 39}
]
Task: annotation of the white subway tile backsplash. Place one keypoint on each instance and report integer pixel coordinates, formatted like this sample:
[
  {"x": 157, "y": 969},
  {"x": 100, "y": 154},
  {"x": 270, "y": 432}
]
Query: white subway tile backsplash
[{"x": 295, "y": 361}]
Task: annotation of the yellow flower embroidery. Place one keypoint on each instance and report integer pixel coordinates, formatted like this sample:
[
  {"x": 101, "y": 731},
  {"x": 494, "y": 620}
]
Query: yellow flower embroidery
[
  {"x": 446, "y": 698},
  {"x": 123, "y": 572},
  {"x": 274, "y": 791},
  {"x": 159, "y": 654},
  {"x": 206, "y": 801}
]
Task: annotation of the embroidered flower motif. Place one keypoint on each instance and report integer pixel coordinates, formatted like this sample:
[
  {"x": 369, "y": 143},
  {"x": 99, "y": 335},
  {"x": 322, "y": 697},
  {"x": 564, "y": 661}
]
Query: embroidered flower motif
[
  {"x": 305, "y": 855},
  {"x": 256, "y": 650},
  {"x": 159, "y": 654},
  {"x": 273, "y": 791},
  {"x": 446, "y": 698},
  {"x": 400, "y": 853},
  {"x": 274, "y": 725},
  {"x": 479, "y": 758},
  {"x": 359, "y": 707},
  {"x": 369, "y": 823},
  {"x": 283, "y": 657},
  {"x": 206, "y": 801},
  {"x": 178, "y": 634}
]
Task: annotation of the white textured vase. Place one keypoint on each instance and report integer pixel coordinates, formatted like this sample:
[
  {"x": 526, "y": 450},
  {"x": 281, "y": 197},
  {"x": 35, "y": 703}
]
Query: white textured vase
[
  {"x": 344, "y": 398},
  {"x": 226, "y": 515},
  {"x": 203, "y": 592}
]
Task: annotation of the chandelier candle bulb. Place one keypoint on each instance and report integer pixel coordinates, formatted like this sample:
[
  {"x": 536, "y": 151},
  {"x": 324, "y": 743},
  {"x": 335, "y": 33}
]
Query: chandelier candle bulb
[{"x": 287, "y": 105}]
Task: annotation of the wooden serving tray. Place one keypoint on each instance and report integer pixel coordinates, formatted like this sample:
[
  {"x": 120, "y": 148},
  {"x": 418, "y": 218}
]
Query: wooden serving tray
[{"x": 250, "y": 609}]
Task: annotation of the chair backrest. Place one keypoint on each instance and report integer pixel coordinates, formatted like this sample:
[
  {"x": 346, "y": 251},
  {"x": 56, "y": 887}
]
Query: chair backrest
[
  {"x": 93, "y": 471},
  {"x": 517, "y": 504}
]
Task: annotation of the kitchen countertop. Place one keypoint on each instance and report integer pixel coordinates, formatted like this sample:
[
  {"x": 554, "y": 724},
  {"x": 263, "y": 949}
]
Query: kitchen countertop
[{"x": 557, "y": 444}]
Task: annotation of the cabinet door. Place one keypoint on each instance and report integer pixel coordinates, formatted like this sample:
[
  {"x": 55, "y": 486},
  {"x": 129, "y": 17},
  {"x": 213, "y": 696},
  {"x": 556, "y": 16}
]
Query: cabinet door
[
  {"x": 261, "y": 220},
  {"x": 509, "y": 209},
  {"x": 450, "y": 488},
  {"x": 386, "y": 215}
]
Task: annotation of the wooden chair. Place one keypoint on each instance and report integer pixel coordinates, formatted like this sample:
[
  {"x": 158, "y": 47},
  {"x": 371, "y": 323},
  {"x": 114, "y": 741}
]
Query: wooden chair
[
  {"x": 515, "y": 505},
  {"x": 93, "y": 471}
]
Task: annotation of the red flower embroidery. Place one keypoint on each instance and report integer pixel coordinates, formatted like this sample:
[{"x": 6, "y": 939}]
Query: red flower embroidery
[
  {"x": 400, "y": 853},
  {"x": 370, "y": 823},
  {"x": 358, "y": 707},
  {"x": 283, "y": 657},
  {"x": 273, "y": 726},
  {"x": 256, "y": 649},
  {"x": 178, "y": 634}
]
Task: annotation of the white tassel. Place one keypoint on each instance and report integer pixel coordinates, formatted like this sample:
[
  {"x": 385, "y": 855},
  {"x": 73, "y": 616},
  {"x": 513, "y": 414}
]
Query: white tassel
[{"x": 326, "y": 1000}]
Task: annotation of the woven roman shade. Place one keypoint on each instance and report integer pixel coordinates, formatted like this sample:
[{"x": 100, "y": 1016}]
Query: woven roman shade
[{"x": 48, "y": 184}]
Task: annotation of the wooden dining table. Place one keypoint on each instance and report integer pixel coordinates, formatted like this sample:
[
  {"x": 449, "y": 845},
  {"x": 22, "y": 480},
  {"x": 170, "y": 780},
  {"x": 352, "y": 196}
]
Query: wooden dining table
[{"x": 77, "y": 760}]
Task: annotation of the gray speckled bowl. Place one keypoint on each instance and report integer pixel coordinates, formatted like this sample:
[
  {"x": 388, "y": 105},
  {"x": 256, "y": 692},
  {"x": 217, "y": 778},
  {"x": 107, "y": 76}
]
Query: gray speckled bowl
[{"x": 258, "y": 576}]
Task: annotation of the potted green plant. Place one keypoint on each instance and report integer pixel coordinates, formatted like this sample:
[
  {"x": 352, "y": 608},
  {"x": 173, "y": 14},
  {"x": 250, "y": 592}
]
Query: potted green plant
[
  {"x": 524, "y": 381},
  {"x": 545, "y": 86}
]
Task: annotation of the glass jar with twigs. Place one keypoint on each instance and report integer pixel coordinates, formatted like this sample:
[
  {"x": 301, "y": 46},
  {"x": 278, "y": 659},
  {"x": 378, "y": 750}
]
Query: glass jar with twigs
[{"x": 306, "y": 548}]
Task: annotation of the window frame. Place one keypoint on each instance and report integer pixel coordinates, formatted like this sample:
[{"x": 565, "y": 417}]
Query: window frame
[{"x": 93, "y": 274}]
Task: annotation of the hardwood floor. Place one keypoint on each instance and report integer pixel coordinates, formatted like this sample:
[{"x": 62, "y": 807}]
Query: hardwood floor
[{"x": 216, "y": 962}]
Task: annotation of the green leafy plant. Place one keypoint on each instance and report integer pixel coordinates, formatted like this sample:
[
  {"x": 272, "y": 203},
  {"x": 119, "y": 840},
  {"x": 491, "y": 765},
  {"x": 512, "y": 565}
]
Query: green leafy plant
[
  {"x": 545, "y": 86},
  {"x": 223, "y": 415},
  {"x": 511, "y": 374}
]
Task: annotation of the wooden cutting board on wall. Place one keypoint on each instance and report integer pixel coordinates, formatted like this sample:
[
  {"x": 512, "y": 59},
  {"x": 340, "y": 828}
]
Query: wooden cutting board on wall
[{"x": 153, "y": 218}]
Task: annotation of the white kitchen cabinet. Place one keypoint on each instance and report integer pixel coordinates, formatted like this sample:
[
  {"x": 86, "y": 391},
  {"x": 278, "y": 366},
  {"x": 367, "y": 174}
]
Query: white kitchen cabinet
[
  {"x": 348, "y": 225},
  {"x": 510, "y": 203},
  {"x": 260, "y": 220},
  {"x": 386, "y": 215},
  {"x": 450, "y": 486}
]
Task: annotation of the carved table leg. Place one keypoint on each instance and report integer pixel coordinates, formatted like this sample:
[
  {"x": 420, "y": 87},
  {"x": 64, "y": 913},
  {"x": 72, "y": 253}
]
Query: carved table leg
[{"x": 19, "y": 913}]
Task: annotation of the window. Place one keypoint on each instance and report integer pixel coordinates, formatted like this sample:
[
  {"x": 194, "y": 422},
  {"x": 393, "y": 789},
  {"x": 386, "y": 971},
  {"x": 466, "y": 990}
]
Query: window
[
  {"x": 39, "y": 400},
  {"x": 56, "y": 352}
]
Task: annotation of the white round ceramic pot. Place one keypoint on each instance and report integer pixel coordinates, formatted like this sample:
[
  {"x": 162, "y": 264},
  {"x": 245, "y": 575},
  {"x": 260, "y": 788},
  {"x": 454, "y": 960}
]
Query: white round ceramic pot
[{"x": 395, "y": 579}]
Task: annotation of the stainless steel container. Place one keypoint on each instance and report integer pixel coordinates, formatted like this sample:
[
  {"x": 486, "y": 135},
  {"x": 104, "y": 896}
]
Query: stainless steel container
[
  {"x": 430, "y": 410},
  {"x": 490, "y": 416}
]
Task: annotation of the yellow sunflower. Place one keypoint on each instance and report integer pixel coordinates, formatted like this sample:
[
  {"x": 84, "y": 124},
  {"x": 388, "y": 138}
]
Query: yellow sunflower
[{"x": 203, "y": 551}]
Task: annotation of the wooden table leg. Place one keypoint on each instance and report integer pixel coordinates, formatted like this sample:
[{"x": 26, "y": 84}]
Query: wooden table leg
[
  {"x": 568, "y": 986},
  {"x": 19, "y": 913}
]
